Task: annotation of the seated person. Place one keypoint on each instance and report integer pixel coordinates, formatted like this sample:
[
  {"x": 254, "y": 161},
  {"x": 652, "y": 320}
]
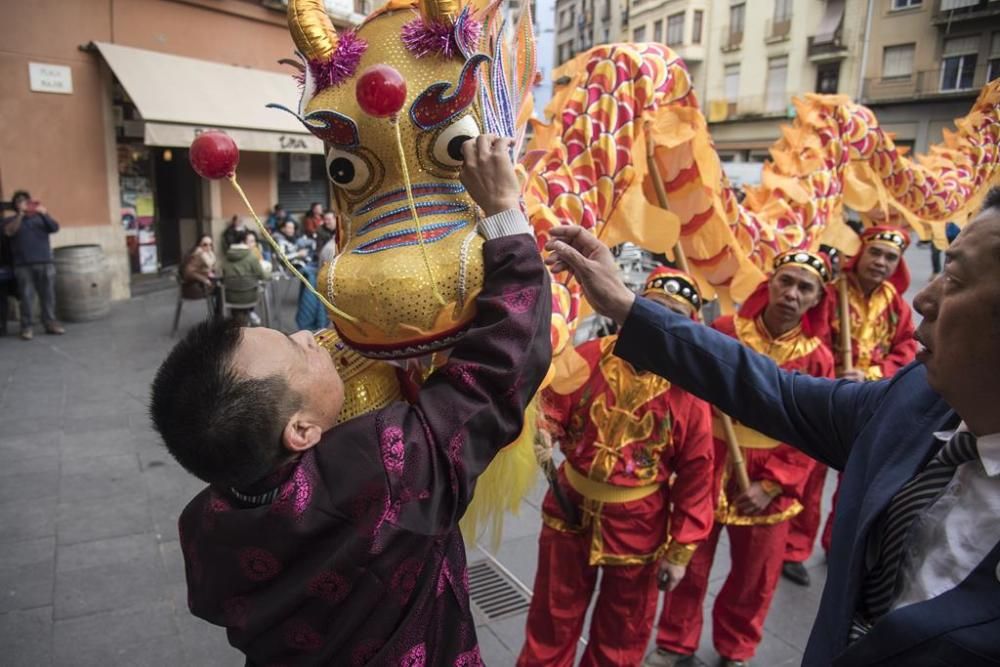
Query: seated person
[
  {"x": 316, "y": 545},
  {"x": 241, "y": 276},
  {"x": 198, "y": 269},
  {"x": 296, "y": 249}
]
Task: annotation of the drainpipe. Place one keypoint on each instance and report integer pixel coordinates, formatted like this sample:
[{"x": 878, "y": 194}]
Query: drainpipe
[{"x": 864, "y": 52}]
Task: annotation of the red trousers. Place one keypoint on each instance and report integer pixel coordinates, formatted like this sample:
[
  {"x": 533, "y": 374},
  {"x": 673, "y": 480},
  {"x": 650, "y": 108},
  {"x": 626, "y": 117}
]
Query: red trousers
[
  {"x": 805, "y": 525},
  {"x": 564, "y": 583},
  {"x": 827, "y": 537},
  {"x": 742, "y": 603}
]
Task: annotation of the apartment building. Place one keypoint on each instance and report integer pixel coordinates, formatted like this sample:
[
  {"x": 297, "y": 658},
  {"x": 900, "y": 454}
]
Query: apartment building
[
  {"x": 926, "y": 61},
  {"x": 581, "y": 24},
  {"x": 683, "y": 25},
  {"x": 762, "y": 53}
]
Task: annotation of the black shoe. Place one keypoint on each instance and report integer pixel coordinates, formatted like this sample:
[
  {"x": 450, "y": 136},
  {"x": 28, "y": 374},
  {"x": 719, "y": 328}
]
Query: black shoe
[
  {"x": 729, "y": 662},
  {"x": 795, "y": 572}
]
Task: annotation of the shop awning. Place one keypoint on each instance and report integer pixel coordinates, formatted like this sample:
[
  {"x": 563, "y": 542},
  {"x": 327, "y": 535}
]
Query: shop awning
[
  {"x": 179, "y": 97},
  {"x": 833, "y": 16}
]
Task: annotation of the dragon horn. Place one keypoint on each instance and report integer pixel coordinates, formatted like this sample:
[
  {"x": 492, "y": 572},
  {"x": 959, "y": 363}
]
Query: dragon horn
[
  {"x": 311, "y": 28},
  {"x": 440, "y": 11}
]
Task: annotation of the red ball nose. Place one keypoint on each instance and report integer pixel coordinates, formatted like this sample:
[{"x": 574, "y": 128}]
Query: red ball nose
[{"x": 381, "y": 91}]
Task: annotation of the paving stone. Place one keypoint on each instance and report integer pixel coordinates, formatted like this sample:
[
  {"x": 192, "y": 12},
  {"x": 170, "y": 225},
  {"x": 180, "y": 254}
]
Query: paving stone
[
  {"x": 11, "y": 425},
  {"x": 85, "y": 555},
  {"x": 30, "y": 485},
  {"x": 107, "y": 587},
  {"x": 46, "y": 462},
  {"x": 173, "y": 561},
  {"x": 100, "y": 477},
  {"x": 26, "y": 638},
  {"x": 82, "y": 443},
  {"x": 80, "y": 425},
  {"x": 15, "y": 448},
  {"x": 27, "y": 519},
  {"x": 492, "y": 650},
  {"x": 26, "y": 586},
  {"x": 119, "y": 627},
  {"x": 520, "y": 556},
  {"x": 28, "y": 552},
  {"x": 102, "y": 518}
]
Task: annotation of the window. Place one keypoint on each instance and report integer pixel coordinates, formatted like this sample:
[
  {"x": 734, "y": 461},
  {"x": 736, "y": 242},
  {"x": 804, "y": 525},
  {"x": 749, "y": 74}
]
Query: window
[
  {"x": 639, "y": 34},
  {"x": 777, "y": 76},
  {"x": 782, "y": 11},
  {"x": 828, "y": 78},
  {"x": 675, "y": 29},
  {"x": 905, "y": 4},
  {"x": 736, "y": 14},
  {"x": 732, "y": 83},
  {"x": 658, "y": 31},
  {"x": 897, "y": 61},
  {"x": 696, "y": 26},
  {"x": 993, "y": 70},
  {"x": 958, "y": 64}
]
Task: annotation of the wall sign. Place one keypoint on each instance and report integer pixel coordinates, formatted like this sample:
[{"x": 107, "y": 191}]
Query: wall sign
[{"x": 45, "y": 78}]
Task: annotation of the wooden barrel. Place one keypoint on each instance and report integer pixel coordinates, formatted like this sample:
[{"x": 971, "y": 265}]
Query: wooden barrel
[{"x": 83, "y": 283}]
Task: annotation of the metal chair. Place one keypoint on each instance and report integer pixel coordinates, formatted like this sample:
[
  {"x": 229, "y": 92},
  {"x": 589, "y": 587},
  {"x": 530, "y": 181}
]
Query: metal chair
[
  {"x": 262, "y": 301},
  {"x": 207, "y": 298}
]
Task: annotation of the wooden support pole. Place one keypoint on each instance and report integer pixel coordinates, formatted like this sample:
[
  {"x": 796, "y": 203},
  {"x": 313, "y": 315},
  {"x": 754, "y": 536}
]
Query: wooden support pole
[
  {"x": 843, "y": 303},
  {"x": 736, "y": 460}
]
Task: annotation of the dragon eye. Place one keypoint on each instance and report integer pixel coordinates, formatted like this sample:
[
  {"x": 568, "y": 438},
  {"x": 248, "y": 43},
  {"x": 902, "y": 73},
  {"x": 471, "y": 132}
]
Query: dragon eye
[
  {"x": 447, "y": 149},
  {"x": 347, "y": 170}
]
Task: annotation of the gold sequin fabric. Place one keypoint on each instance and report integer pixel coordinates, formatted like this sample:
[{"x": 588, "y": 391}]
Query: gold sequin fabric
[
  {"x": 368, "y": 384},
  {"x": 381, "y": 276}
]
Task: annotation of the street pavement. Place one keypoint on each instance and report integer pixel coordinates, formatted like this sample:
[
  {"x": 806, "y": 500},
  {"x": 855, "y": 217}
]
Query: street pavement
[{"x": 90, "y": 567}]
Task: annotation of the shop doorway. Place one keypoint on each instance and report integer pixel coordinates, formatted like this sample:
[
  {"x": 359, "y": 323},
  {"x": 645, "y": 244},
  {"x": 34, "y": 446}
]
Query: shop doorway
[{"x": 178, "y": 204}]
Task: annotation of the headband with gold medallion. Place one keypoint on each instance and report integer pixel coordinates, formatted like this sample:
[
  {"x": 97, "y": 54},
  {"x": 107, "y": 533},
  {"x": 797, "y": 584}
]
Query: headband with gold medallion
[
  {"x": 816, "y": 263},
  {"x": 675, "y": 284},
  {"x": 886, "y": 235}
]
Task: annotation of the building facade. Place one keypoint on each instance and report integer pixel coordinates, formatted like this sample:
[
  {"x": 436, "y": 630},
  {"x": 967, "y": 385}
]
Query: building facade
[
  {"x": 683, "y": 25},
  {"x": 103, "y": 97},
  {"x": 927, "y": 60},
  {"x": 762, "y": 53}
]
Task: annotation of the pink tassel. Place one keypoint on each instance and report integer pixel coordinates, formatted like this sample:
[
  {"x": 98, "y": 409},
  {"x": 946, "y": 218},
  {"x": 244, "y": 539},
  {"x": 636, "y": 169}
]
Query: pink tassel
[
  {"x": 342, "y": 65},
  {"x": 423, "y": 38}
]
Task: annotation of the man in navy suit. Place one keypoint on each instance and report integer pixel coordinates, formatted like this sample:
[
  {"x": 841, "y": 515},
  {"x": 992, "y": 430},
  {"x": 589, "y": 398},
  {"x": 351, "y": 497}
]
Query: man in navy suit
[{"x": 915, "y": 560}]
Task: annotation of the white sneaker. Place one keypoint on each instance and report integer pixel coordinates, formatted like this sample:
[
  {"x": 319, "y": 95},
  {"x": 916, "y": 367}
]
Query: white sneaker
[
  {"x": 254, "y": 319},
  {"x": 661, "y": 657}
]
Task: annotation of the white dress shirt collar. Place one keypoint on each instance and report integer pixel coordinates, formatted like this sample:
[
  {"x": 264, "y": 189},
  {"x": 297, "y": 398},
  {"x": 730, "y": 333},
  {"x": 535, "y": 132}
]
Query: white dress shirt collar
[{"x": 988, "y": 446}]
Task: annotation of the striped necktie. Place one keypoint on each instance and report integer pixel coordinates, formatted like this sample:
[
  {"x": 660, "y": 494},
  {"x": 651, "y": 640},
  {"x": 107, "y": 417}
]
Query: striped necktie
[{"x": 879, "y": 587}]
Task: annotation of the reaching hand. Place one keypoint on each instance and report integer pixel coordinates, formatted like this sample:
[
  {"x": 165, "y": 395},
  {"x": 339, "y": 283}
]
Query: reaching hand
[
  {"x": 854, "y": 375},
  {"x": 576, "y": 250},
  {"x": 670, "y": 575},
  {"x": 488, "y": 174}
]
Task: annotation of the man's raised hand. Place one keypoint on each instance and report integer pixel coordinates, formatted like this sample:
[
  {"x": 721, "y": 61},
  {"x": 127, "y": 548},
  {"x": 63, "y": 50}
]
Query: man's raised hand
[{"x": 576, "y": 250}]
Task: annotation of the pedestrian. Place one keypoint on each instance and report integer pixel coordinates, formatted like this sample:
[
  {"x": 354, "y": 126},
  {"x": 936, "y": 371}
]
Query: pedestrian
[
  {"x": 316, "y": 545},
  {"x": 236, "y": 224},
  {"x": 881, "y": 339},
  {"x": 913, "y": 565},
  {"x": 785, "y": 318},
  {"x": 327, "y": 233},
  {"x": 241, "y": 277},
  {"x": 294, "y": 248},
  {"x": 8, "y": 284},
  {"x": 632, "y": 500},
  {"x": 29, "y": 230},
  {"x": 312, "y": 220},
  {"x": 277, "y": 218}
]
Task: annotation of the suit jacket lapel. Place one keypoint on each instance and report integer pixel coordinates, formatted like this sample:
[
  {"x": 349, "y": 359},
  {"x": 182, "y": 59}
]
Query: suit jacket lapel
[
  {"x": 975, "y": 600},
  {"x": 901, "y": 458}
]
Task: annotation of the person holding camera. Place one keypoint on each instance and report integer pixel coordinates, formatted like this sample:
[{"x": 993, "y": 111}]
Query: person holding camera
[{"x": 28, "y": 231}]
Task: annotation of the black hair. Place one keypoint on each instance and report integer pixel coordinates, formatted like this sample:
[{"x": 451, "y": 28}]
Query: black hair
[
  {"x": 223, "y": 428},
  {"x": 992, "y": 199},
  {"x": 19, "y": 194},
  {"x": 240, "y": 235}
]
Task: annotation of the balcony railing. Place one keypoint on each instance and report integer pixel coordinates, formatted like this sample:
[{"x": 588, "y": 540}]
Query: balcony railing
[
  {"x": 731, "y": 39},
  {"x": 984, "y": 9},
  {"x": 749, "y": 106},
  {"x": 777, "y": 31},
  {"x": 827, "y": 50},
  {"x": 927, "y": 83}
]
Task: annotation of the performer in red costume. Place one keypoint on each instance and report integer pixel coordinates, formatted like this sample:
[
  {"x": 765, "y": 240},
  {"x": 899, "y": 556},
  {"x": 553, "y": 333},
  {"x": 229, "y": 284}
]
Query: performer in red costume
[
  {"x": 785, "y": 319},
  {"x": 882, "y": 342},
  {"x": 624, "y": 434}
]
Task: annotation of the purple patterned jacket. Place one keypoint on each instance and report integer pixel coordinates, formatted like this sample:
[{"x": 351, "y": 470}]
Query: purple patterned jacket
[{"x": 358, "y": 560}]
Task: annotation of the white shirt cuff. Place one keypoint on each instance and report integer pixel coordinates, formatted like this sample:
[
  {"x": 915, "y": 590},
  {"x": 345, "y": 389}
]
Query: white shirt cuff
[{"x": 504, "y": 223}]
